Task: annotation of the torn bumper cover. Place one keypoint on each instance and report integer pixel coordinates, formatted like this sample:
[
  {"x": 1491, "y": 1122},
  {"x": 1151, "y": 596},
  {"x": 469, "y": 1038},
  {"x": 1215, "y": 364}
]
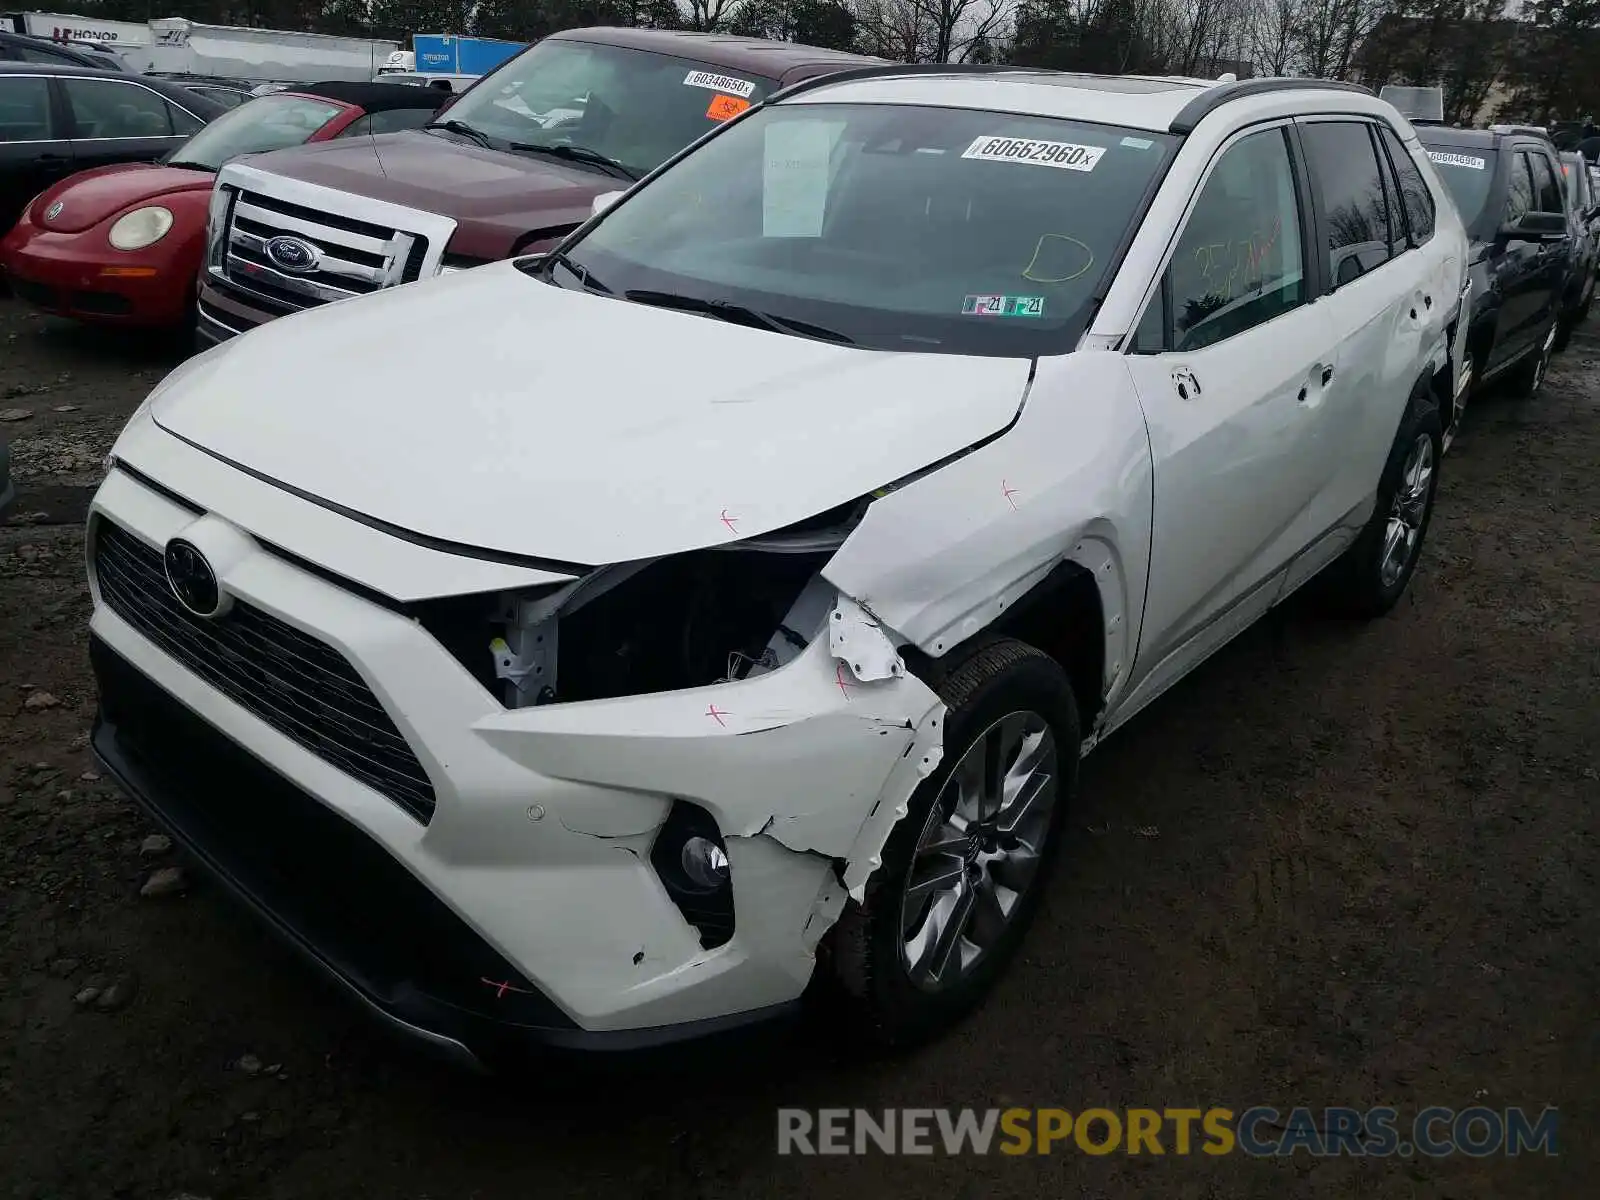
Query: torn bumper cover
[{"x": 528, "y": 900}]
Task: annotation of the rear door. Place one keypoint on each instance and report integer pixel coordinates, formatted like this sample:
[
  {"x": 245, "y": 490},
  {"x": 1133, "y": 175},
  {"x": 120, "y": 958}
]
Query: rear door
[
  {"x": 115, "y": 120},
  {"x": 1384, "y": 305},
  {"x": 1229, "y": 360},
  {"x": 33, "y": 152},
  {"x": 1558, "y": 255}
]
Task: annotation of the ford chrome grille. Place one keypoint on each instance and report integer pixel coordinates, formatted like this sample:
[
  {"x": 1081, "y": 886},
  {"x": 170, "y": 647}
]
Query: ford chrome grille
[
  {"x": 334, "y": 257},
  {"x": 302, "y": 687}
]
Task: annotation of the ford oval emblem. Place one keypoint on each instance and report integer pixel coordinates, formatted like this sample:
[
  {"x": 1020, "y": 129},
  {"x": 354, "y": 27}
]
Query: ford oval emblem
[
  {"x": 293, "y": 254},
  {"x": 54, "y": 211}
]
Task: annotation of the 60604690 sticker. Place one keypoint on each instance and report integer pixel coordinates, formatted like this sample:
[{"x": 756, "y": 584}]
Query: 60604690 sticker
[
  {"x": 1068, "y": 156},
  {"x": 731, "y": 84},
  {"x": 1458, "y": 160}
]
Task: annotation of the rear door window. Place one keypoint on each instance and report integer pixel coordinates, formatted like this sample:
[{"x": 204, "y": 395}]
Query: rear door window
[
  {"x": 105, "y": 108},
  {"x": 1415, "y": 195},
  {"x": 1344, "y": 171}
]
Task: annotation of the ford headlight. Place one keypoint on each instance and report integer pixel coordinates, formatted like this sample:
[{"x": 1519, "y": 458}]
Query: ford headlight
[{"x": 140, "y": 228}]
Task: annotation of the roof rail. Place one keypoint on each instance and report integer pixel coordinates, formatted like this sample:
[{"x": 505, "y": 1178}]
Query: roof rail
[
  {"x": 1538, "y": 131},
  {"x": 1213, "y": 98},
  {"x": 891, "y": 70}
]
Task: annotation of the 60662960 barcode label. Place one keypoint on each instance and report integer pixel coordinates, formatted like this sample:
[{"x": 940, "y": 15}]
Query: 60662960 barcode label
[{"x": 1035, "y": 153}]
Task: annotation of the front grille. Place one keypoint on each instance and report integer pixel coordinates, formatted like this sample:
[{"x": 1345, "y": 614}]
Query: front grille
[
  {"x": 357, "y": 257},
  {"x": 300, "y": 686}
]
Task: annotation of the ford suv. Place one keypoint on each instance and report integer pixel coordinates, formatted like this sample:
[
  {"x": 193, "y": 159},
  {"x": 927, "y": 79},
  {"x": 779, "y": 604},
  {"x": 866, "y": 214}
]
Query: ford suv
[
  {"x": 795, "y": 527},
  {"x": 510, "y": 166}
]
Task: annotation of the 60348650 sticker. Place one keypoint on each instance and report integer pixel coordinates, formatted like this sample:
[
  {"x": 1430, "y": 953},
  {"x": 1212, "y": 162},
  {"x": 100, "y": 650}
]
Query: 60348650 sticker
[
  {"x": 731, "y": 84},
  {"x": 1035, "y": 152}
]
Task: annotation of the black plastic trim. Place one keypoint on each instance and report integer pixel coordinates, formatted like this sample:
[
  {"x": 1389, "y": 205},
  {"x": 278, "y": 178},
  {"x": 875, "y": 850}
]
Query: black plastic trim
[{"x": 1213, "y": 98}]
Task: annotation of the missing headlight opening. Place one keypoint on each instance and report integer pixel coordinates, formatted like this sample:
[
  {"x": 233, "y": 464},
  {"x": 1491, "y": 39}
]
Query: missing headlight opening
[{"x": 704, "y": 617}]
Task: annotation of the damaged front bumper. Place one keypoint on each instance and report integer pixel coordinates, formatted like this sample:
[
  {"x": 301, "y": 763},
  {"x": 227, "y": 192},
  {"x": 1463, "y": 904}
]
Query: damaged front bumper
[{"x": 527, "y": 905}]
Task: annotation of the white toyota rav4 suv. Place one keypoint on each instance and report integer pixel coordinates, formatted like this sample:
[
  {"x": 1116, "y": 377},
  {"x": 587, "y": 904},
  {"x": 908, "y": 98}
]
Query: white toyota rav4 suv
[{"x": 598, "y": 650}]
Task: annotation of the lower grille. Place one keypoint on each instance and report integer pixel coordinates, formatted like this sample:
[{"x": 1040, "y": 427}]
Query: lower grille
[
  {"x": 325, "y": 883},
  {"x": 300, "y": 686}
]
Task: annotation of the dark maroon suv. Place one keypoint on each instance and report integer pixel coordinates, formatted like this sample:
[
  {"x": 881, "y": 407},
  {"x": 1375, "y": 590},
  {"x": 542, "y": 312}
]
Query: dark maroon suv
[{"x": 509, "y": 167}]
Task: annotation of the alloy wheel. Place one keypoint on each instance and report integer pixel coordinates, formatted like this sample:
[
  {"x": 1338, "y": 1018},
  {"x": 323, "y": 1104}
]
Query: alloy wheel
[
  {"x": 1407, "y": 512},
  {"x": 979, "y": 851}
]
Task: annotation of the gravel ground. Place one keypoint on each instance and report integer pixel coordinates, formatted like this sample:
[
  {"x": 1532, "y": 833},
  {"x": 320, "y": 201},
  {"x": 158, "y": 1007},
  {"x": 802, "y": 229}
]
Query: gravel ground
[{"x": 1340, "y": 865}]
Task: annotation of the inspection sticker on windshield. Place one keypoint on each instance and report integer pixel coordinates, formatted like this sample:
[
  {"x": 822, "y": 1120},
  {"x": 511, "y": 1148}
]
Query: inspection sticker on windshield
[
  {"x": 1003, "y": 306},
  {"x": 720, "y": 83},
  {"x": 1458, "y": 160},
  {"x": 1065, "y": 155}
]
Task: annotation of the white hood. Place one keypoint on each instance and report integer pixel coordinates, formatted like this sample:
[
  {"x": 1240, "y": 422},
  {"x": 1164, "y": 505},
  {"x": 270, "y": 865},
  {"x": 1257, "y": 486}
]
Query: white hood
[{"x": 497, "y": 411}]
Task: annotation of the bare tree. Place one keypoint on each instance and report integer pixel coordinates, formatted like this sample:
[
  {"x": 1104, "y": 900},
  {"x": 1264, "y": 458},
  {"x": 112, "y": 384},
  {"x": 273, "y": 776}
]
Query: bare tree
[{"x": 1270, "y": 32}]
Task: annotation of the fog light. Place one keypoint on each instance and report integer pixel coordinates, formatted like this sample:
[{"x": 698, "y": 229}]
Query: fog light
[{"x": 705, "y": 862}]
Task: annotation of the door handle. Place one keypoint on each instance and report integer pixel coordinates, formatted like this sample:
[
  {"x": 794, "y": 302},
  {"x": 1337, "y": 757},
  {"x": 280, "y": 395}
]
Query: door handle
[{"x": 52, "y": 158}]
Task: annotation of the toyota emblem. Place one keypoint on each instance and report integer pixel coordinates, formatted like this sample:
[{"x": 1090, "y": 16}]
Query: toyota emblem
[
  {"x": 293, "y": 254},
  {"x": 193, "y": 581},
  {"x": 54, "y": 211}
]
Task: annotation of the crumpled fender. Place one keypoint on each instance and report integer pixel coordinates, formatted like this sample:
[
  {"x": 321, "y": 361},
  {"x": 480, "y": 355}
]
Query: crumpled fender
[{"x": 942, "y": 557}]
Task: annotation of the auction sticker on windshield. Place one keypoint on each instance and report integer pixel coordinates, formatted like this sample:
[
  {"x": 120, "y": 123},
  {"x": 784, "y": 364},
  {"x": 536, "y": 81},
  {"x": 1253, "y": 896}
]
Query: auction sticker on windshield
[
  {"x": 1066, "y": 155},
  {"x": 1457, "y": 160},
  {"x": 720, "y": 83},
  {"x": 1003, "y": 306}
]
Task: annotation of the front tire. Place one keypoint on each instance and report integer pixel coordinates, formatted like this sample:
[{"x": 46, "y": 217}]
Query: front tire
[
  {"x": 1369, "y": 578},
  {"x": 964, "y": 870}
]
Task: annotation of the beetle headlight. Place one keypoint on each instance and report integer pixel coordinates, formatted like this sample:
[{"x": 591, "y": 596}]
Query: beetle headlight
[{"x": 140, "y": 228}]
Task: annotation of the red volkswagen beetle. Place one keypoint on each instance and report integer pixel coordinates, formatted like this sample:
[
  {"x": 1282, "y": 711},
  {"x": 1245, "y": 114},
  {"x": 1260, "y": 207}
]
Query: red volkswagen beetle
[{"x": 123, "y": 244}]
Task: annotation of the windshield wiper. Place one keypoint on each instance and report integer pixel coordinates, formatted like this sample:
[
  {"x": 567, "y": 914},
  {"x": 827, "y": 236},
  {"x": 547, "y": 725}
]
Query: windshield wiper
[
  {"x": 580, "y": 154},
  {"x": 187, "y": 164},
  {"x": 556, "y": 257},
  {"x": 737, "y": 314},
  {"x": 467, "y": 131}
]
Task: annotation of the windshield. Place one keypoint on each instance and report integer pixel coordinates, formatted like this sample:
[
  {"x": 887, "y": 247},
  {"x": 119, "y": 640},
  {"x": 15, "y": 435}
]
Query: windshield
[
  {"x": 635, "y": 107},
  {"x": 1467, "y": 172},
  {"x": 893, "y": 226},
  {"x": 268, "y": 123}
]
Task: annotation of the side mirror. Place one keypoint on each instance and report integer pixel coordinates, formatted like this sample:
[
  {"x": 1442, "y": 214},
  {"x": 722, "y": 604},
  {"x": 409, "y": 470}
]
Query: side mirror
[
  {"x": 604, "y": 201},
  {"x": 1535, "y": 227}
]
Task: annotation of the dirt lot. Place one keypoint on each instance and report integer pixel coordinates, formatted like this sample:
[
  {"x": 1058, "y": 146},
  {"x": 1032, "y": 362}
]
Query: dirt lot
[{"x": 1340, "y": 866}]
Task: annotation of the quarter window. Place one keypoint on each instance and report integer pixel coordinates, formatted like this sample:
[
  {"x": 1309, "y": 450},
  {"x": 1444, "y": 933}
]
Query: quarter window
[
  {"x": 103, "y": 108},
  {"x": 1238, "y": 263},
  {"x": 1414, "y": 192},
  {"x": 25, "y": 109},
  {"x": 1344, "y": 169},
  {"x": 1519, "y": 194}
]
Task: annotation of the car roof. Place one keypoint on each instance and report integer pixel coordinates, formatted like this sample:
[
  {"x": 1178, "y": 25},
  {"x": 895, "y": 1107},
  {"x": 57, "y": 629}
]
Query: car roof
[
  {"x": 177, "y": 93},
  {"x": 374, "y": 97},
  {"x": 735, "y": 53},
  {"x": 1160, "y": 103}
]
